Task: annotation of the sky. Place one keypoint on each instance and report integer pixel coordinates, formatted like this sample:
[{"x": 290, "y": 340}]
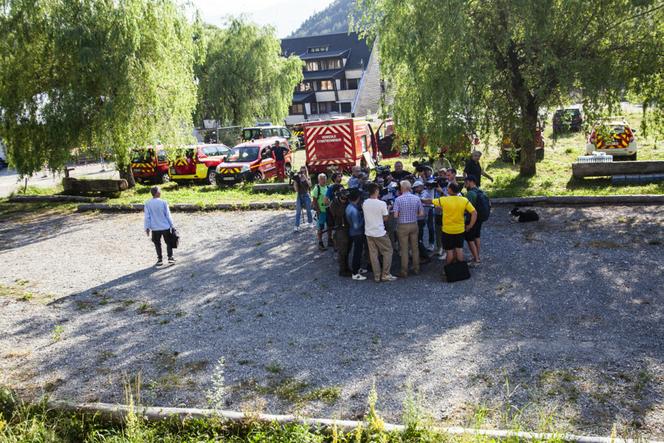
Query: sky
[{"x": 285, "y": 15}]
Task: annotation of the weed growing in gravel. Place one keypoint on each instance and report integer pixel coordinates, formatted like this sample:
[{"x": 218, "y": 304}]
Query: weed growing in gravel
[
  {"x": 274, "y": 368},
  {"x": 57, "y": 332},
  {"x": 215, "y": 395}
]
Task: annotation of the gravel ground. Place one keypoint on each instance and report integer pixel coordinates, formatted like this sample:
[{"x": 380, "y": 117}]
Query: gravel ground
[{"x": 564, "y": 317}]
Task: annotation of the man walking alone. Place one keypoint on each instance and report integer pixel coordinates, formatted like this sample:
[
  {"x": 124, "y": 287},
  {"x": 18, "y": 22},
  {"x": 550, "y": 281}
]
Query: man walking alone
[
  {"x": 158, "y": 220},
  {"x": 375, "y": 216}
]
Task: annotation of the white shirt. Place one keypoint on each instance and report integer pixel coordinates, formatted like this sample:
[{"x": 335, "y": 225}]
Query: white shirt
[{"x": 374, "y": 211}]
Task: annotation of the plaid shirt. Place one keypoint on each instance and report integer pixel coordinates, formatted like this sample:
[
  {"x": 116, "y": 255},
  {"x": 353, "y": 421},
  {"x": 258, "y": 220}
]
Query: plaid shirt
[{"x": 408, "y": 205}]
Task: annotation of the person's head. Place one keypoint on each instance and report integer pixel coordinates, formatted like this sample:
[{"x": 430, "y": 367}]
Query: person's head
[
  {"x": 405, "y": 186},
  {"x": 354, "y": 195},
  {"x": 453, "y": 188},
  {"x": 476, "y": 155},
  {"x": 356, "y": 171},
  {"x": 322, "y": 179},
  {"x": 276, "y": 144},
  {"x": 336, "y": 177},
  {"x": 398, "y": 166},
  {"x": 343, "y": 195},
  {"x": 427, "y": 172},
  {"x": 303, "y": 170},
  {"x": 470, "y": 182},
  {"x": 450, "y": 175},
  {"x": 155, "y": 191},
  {"x": 373, "y": 189},
  {"x": 418, "y": 186}
]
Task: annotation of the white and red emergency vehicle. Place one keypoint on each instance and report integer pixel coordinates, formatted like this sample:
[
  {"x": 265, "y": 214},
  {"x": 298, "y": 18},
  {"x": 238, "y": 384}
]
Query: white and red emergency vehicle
[{"x": 339, "y": 144}]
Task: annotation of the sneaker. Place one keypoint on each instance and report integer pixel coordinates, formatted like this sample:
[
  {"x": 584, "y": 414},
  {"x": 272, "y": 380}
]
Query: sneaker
[
  {"x": 362, "y": 271},
  {"x": 321, "y": 246},
  {"x": 442, "y": 257},
  {"x": 171, "y": 261},
  {"x": 159, "y": 264},
  {"x": 390, "y": 278},
  {"x": 359, "y": 277},
  {"x": 296, "y": 229},
  {"x": 441, "y": 253}
]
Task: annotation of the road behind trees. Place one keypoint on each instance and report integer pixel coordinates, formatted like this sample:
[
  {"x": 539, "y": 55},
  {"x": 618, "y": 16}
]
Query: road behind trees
[{"x": 569, "y": 310}]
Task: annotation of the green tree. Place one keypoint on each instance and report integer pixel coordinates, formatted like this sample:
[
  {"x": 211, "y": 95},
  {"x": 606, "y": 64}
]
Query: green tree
[
  {"x": 111, "y": 74},
  {"x": 244, "y": 76},
  {"x": 455, "y": 65}
]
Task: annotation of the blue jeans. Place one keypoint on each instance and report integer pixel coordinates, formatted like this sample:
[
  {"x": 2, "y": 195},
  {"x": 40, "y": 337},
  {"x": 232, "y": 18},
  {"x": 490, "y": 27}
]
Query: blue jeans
[
  {"x": 303, "y": 201},
  {"x": 357, "y": 241}
]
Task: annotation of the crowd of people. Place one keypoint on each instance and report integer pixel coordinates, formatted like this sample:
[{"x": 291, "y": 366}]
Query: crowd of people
[{"x": 416, "y": 215}]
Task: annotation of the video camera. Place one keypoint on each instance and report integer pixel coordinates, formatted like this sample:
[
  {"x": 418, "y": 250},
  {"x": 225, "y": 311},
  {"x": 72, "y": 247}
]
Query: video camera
[{"x": 382, "y": 171}]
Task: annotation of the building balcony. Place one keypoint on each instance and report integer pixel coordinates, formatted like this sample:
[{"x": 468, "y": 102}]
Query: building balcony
[
  {"x": 347, "y": 95},
  {"x": 326, "y": 96}
]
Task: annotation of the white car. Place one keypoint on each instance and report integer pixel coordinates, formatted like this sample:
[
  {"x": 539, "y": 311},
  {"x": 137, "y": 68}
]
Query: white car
[{"x": 613, "y": 137}]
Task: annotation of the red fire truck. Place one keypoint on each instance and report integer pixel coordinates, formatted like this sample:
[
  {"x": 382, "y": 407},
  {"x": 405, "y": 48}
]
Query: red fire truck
[{"x": 339, "y": 144}]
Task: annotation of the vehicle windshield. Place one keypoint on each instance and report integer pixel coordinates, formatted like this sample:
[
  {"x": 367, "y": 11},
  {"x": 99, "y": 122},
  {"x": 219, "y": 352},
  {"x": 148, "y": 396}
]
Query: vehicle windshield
[
  {"x": 142, "y": 156},
  {"x": 245, "y": 154},
  {"x": 251, "y": 134}
]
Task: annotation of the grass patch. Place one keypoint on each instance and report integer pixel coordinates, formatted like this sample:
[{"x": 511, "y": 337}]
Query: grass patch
[
  {"x": 19, "y": 292},
  {"x": 35, "y": 422}
]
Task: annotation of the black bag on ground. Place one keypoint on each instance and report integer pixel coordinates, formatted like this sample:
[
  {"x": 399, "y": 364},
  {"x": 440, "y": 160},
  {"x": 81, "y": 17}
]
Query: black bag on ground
[
  {"x": 175, "y": 238},
  {"x": 457, "y": 271}
]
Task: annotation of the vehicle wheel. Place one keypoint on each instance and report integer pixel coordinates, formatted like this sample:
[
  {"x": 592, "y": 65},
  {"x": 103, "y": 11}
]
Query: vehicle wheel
[
  {"x": 257, "y": 176},
  {"x": 164, "y": 178},
  {"x": 539, "y": 154},
  {"x": 632, "y": 157},
  {"x": 212, "y": 176}
]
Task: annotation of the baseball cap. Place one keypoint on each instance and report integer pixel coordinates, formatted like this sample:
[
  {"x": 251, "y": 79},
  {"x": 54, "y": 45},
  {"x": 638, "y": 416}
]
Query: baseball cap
[{"x": 418, "y": 183}]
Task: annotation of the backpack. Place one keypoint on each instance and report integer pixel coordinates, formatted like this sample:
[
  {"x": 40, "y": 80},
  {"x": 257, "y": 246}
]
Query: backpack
[{"x": 483, "y": 205}]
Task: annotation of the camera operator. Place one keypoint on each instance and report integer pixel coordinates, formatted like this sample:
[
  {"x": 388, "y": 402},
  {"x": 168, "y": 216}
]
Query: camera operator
[
  {"x": 334, "y": 187},
  {"x": 337, "y": 212},
  {"x": 354, "y": 180}
]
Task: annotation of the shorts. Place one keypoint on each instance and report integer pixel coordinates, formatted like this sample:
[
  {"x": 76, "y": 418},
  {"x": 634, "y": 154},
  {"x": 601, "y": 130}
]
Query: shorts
[
  {"x": 452, "y": 241},
  {"x": 322, "y": 220},
  {"x": 474, "y": 233}
]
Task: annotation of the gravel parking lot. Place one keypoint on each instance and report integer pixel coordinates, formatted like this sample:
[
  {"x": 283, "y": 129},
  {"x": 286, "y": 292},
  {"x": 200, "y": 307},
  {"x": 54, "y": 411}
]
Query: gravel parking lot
[{"x": 565, "y": 317}]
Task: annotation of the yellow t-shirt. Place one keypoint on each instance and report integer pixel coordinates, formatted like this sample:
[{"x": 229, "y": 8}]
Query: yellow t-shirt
[{"x": 454, "y": 208}]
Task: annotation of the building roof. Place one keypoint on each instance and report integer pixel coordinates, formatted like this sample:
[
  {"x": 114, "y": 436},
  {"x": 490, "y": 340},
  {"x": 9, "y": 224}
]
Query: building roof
[
  {"x": 323, "y": 75},
  {"x": 302, "y": 97},
  {"x": 336, "y": 44}
]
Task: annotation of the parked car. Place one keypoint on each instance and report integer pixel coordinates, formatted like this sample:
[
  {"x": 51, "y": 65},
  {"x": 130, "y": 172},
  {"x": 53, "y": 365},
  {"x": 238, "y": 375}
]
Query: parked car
[
  {"x": 268, "y": 130},
  {"x": 567, "y": 120},
  {"x": 251, "y": 161},
  {"x": 199, "y": 163},
  {"x": 613, "y": 136},
  {"x": 150, "y": 165}
]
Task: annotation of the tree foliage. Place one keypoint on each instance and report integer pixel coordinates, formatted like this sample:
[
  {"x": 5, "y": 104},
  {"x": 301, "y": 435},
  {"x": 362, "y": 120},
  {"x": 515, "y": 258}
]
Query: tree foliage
[
  {"x": 494, "y": 65},
  {"x": 331, "y": 20},
  {"x": 244, "y": 76},
  {"x": 112, "y": 74}
]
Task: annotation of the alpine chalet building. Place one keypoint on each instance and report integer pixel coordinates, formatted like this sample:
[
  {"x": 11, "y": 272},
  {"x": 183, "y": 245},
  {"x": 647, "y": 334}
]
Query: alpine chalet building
[{"x": 341, "y": 77}]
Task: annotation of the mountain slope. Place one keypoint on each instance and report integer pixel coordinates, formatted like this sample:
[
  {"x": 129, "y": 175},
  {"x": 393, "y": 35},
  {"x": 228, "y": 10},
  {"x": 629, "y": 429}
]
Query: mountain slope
[{"x": 331, "y": 20}]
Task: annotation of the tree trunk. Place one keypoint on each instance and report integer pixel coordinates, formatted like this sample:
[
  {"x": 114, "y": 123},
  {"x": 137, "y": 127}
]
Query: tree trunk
[
  {"x": 529, "y": 115},
  {"x": 128, "y": 175}
]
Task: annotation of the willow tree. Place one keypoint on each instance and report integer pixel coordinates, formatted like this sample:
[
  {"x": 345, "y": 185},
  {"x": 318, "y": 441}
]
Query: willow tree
[
  {"x": 111, "y": 74},
  {"x": 456, "y": 64},
  {"x": 244, "y": 76}
]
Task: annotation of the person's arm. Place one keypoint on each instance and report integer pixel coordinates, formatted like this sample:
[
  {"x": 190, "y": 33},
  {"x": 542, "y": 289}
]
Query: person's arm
[
  {"x": 395, "y": 208},
  {"x": 315, "y": 199},
  {"x": 487, "y": 175},
  {"x": 473, "y": 219},
  {"x": 295, "y": 185},
  {"x": 147, "y": 220},
  {"x": 168, "y": 215},
  {"x": 355, "y": 220},
  {"x": 420, "y": 210},
  {"x": 386, "y": 213}
]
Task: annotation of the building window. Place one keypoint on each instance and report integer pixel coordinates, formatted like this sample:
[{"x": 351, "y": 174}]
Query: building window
[
  {"x": 351, "y": 83},
  {"x": 327, "y": 85},
  {"x": 333, "y": 63},
  {"x": 296, "y": 109},
  {"x": 304, "y": 87},
  {"x": 327, "y": 107},
  {"x": 345, "y": 107},
  {"x": 317, "y": 49},
  {"x": 312, "y": 66}
]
